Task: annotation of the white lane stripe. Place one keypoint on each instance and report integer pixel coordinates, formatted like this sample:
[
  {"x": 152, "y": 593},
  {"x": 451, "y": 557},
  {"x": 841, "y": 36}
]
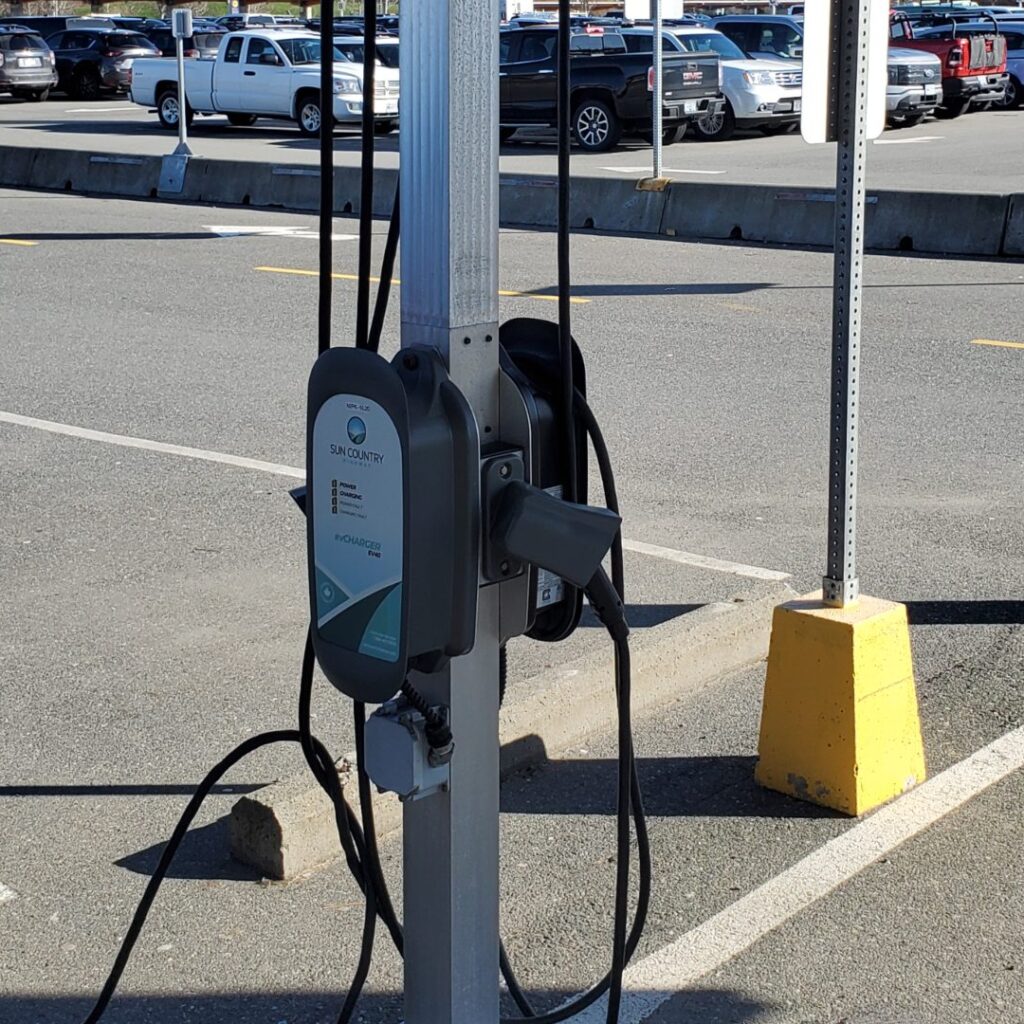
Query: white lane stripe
[
  {"x": 104, "y": 110},
  {"x": 658, "y": 977},
  {"x": 664, "y": 170},
  {"x": 754, "y": 572},
  {"x": 683, "y": 557},
  {"x": 908, "y": 142},
  {"x": 6, "y": 894},
  {"x": 152, "y": 446}
]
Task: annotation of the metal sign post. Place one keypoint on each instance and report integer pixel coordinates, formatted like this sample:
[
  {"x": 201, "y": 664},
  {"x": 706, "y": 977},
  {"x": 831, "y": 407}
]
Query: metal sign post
[
  {"x": 449, "y": 182},
  {"x": 845, "y": 47},
  {"x": 657, "y": 100},
  {"x": 181, "y": 29}
]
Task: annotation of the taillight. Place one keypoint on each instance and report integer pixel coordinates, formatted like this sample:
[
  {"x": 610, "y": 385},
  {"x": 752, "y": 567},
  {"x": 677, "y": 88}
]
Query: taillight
[
  {"x": 1, "y": 60},
  {"x": 190, "y": 53},
  {"x": 956, "y": 56},
  {"x": 53, "y": 59},
  {"x": 650, "y": 79}
]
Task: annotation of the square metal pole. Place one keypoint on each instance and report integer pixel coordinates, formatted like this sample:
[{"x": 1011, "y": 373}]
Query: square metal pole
[
  {"x": 657, "y": 99},
  {"x": 850, "y": 20},
  {"x": 449, "y": 182}
]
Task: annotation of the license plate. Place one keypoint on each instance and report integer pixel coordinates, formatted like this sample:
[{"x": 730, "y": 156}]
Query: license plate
[
  {"x": 796, "y": 106},
  {"x": 931, "y": 92},
  {"x": 689, "y": 106},
  {"x": 30, "y": 62}
]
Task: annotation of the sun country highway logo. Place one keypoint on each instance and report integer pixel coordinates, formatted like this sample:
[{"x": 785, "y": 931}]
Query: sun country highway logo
[{"x": 356, "y": 429}]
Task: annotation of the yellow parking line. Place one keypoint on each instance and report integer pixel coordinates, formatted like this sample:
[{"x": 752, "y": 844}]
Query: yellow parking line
[
  {"x": 508, "y": 293},
  {"x": 997, "y": 344},
  {"x": 16, "y": 241}
]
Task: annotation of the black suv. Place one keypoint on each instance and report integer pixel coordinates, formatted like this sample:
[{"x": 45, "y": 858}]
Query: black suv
[
  {"x": 91, "y": 60},
  {"x": 26, "y": 63}
]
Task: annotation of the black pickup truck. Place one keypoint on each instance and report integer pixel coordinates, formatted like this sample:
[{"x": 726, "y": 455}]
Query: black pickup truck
[{"x": 611, "y": 89}]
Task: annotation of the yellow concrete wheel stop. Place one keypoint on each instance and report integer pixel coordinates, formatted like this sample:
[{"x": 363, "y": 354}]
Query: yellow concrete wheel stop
[{"x": 839, "y": 725}]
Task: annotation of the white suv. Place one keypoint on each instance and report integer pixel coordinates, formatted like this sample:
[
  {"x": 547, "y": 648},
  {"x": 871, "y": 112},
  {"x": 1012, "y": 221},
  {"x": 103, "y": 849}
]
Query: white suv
[{"x": 762, "y": 94}]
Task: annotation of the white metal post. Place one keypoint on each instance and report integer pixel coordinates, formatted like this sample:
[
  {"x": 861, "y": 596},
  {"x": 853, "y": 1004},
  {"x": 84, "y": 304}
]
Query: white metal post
[
  {"x": 659, "y": 90},
  {"x": 851, "y": 33},
  {"x": 182, "y": 148},
  {"x": 449, "y": 182}
]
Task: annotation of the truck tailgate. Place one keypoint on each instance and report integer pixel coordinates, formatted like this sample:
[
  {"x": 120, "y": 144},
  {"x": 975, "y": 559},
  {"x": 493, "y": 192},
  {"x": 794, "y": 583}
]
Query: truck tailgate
[
  {"x": 689, "y": 76},
  {"x": 988, "y": 53}
]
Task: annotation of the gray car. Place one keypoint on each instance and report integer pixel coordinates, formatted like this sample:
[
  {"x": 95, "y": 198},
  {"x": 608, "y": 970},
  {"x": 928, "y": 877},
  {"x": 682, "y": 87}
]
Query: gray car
[{"x": 27, "y": 65}]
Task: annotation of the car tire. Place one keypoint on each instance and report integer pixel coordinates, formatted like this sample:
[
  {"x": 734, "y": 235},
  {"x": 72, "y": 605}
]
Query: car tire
[
  {"x": 307, "y": 115},
  {"x": 1013, "y": 97},
  {"x": 242, "y": 120},
  {"x": 168, "y": 110},
  {"x": 596, "y": 126},
  {"x": 717, "y": 127},
  {"x": 85, "y": 85},
  {"x": 384, "y": 127},
  {"x": 951, "y": 109},
  {"x": 906, "y": 120}
]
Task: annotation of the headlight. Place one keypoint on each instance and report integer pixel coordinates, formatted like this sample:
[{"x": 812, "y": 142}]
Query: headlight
[
  {"x": 346, "y": 83},
  {"x": 894, "y": 75},
  {"x": 758, "y": 78}
]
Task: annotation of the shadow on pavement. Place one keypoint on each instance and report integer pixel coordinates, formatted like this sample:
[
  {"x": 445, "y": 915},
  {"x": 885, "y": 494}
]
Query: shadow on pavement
[
  {"x": 641, "y": 616},
  {"x": 127, "y": 789},
  {"x": 699, "y": 1006},
  {"x": 965, "y": 613},
  {"x": 203, "y": 855},
  {"x": 720, "y": 787}
]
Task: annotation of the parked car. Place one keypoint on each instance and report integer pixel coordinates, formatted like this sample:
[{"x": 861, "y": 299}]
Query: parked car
[
  {"x": 263, "y": 74},
  {"x": 47, "y": 26},
  {"x": 352, "y": 48},
  {"x": 27, "y": 64},
  {"x": 235, "y": 22},
  {"x": 202, "y": 44},
  {"x": 611, "y": 88},
  {"x": 973, "y": 57},
  {"x": 914, "y": 86},
  {"x": 1013, "y": 97},
  {"x": 91, "y": 61},
  {"x": 761, "y": 94}
]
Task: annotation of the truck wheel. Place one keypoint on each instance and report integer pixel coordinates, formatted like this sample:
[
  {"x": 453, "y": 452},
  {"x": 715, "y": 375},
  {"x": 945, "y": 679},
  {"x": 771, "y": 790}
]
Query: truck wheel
[
  {"x": 716, "y": 127},
  {"x": 596, "y": 126},
  {"x": 242, "y": 120},
  {"x": 308, "y": 115},
  {"x": 169, "y": 110},
  {"x": 951, "y": 109},
  {"x": 1013, "y": 96},
  {"x": 86, "y": 83}
]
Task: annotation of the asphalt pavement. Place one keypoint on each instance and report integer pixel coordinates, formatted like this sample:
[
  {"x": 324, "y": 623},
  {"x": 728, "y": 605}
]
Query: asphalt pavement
[
  {"x": 979, "y": 152},
  {"x": 153, "y": 610}
]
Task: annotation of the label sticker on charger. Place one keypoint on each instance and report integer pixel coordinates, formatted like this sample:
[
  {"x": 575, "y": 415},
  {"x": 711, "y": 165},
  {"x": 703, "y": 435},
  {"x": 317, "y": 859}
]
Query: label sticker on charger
[
  {"x": 550, "y": 588},
  {"x": 358, "y": 536}
]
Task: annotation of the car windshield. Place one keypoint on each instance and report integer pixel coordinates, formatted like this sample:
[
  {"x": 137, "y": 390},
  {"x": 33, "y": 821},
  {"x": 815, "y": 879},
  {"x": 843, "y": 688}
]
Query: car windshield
[
  {"x": 305, "y": 51},
  {"x": 387, "y": 54},
  {"x": 711, "y": 42},
  {"x": 22, "y": 42},
  {"x": 127, "y": 41}
]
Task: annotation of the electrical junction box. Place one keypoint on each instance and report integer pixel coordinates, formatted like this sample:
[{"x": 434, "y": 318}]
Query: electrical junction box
[{"x": 392, "y": 518}]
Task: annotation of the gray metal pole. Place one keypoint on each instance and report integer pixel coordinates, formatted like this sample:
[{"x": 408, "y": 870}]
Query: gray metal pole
[
  {"x": 449, "y": 182},
  {"x": 182, "y": 148},
  {"x": 850, "y": 63},
  {"x": 659, "y": 90}
]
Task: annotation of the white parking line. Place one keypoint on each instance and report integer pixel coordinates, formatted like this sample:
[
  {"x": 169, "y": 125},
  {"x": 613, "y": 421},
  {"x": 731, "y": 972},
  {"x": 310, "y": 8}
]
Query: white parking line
[
  {"x": 657, "y": 978},
  {"x": 152, "y": 446},
  {"x": 297, "y": 473},
  {"x": 7, "y": 894},
  {"x": 105, "y": 110},
  {"x": 908, "y": 141},
  {"x": 271, "y": 231},
  {"x": 754, "y": 572},
  {"x": 664, "y": 170}
]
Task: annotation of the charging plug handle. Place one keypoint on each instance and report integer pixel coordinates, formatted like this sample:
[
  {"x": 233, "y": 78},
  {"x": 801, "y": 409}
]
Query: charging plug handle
[{"x": 567, "y": 539}]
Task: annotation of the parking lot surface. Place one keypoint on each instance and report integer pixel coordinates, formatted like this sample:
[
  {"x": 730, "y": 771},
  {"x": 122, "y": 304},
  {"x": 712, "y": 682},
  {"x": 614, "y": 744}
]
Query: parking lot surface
[
  {"x": 154, "y": 611},
  {"x": 979, "y": 152}
]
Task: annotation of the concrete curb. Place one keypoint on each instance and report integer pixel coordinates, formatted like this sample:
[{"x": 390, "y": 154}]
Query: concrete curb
[
  {"x": 287, "y": 828},
  {"x": 943, "y": 223}
]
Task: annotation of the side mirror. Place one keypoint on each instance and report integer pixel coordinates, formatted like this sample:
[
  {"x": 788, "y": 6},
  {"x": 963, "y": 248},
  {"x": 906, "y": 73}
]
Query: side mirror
[{"x": 270, "y": 58}]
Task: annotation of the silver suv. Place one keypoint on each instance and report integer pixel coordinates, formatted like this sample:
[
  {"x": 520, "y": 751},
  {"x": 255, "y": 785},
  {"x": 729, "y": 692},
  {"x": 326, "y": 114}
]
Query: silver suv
[{"x": 27, "y": 65}]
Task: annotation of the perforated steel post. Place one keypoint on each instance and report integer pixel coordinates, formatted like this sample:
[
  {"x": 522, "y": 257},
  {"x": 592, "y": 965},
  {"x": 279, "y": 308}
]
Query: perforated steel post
[
  {"x": 659, "y": 90},
  {"x": 850, "y": 68},
  {"x": 449, "y": 202}
]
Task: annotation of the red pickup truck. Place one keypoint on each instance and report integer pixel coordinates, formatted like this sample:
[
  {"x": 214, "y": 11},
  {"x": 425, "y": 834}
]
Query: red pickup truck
[{"x": 973, "y": 60}]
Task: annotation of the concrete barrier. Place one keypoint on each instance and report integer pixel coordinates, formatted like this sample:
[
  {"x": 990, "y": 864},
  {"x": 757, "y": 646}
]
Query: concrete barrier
[
  {"x": 1013, "y": 240},
  {"x": 946, "y": 223}
]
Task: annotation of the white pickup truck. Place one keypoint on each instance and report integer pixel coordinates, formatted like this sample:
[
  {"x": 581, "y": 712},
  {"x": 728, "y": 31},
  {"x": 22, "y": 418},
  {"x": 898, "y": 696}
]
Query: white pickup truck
[{"x": 269, "y": 73}]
